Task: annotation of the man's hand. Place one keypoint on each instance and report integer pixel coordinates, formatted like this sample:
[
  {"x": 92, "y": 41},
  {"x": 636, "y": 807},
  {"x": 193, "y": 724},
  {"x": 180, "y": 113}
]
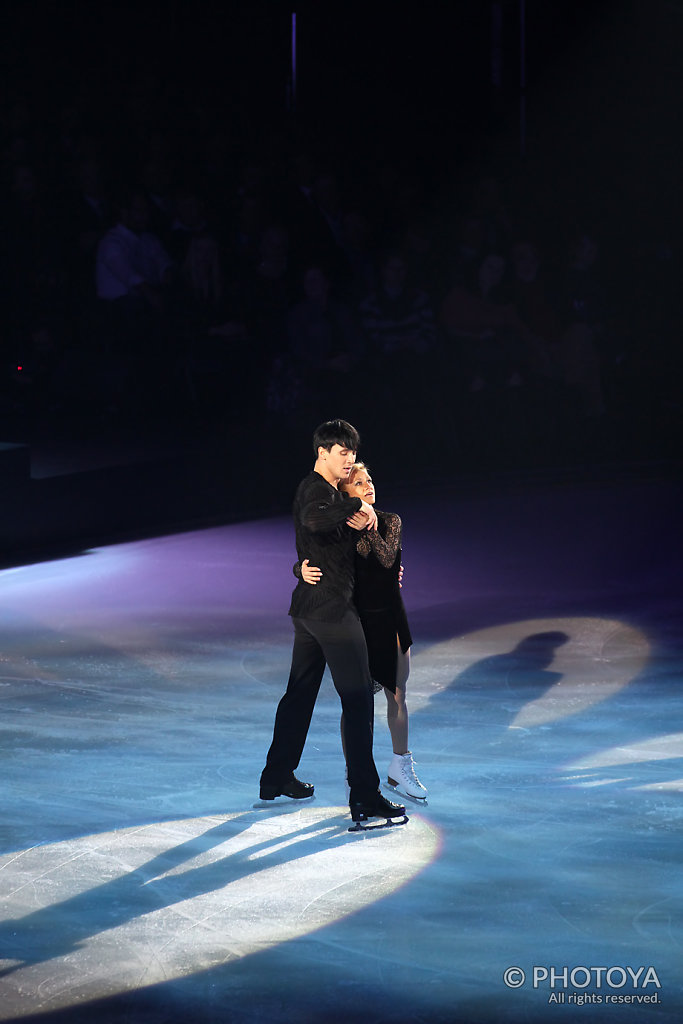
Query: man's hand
[
  {"x": 358, "y": 521},
  {"x": 364, "y": 519},
  {"x": 371, "y": 514},
  {"x": 310, "y": 573}
]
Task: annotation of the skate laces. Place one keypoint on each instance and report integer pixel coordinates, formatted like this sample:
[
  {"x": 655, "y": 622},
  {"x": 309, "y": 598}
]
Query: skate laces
[
  {"x": 409, "y": 776},
  {"x": 408, "y": 768}
]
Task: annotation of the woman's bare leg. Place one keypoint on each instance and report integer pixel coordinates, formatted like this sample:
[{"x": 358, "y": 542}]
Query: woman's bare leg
[
  {"x": 401, "y": 773},
  {"x": 397, "y": 710}
]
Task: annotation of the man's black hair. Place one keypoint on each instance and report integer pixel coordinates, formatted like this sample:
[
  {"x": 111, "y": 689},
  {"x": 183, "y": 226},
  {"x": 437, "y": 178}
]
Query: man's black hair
[{"x": 335, "y": 432}]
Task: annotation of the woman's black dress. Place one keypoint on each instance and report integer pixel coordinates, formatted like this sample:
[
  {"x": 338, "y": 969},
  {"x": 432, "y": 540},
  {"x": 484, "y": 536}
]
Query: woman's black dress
[{"x": 377, "y": 597}]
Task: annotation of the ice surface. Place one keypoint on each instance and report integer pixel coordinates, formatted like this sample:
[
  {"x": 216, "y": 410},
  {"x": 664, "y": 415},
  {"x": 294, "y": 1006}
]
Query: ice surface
[{"x": 138, "y": 686}]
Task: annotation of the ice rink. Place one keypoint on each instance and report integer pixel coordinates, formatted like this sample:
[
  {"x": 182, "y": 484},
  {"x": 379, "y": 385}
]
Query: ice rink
[{"x": 542, "y": 881}]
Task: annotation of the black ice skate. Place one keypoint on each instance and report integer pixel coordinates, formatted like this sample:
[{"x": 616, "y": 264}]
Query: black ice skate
[
  {"x": 293, "y": 788},
  {"x": 377, "y": 806}
]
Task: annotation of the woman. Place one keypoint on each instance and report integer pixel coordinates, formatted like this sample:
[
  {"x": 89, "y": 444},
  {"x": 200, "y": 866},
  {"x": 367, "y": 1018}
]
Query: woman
[{"x": 380, "y": 607}]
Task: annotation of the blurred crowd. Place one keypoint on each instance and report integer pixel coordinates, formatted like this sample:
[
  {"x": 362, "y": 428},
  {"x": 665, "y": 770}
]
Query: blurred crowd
[{"x": 173, "y": 265}]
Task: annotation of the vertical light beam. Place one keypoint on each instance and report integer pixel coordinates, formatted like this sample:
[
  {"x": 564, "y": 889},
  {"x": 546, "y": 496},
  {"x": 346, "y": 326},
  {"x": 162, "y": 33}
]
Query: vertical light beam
[
  {"x": 292, "y": 72},
  {"x": 522, "y": 78}
]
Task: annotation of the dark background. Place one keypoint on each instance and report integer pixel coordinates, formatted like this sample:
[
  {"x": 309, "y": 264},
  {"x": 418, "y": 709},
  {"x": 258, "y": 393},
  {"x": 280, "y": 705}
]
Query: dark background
[
  {"x": 577, "y": 118},
  {"x": 603, "y": 79}
]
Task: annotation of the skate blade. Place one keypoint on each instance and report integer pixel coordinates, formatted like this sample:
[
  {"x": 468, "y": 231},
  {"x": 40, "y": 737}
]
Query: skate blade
[
  {"x": 360, "y": 826},
  {"x": 421, "y": 801},
  {"x": 281, "y": 803}
]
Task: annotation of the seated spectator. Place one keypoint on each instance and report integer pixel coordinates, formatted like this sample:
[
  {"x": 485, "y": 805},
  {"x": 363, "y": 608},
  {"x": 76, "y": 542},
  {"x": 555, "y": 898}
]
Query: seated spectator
[
  {"x": 585, "y": 312},
  {"x": 490, "y": 336},
  {"x": 327, "y": 200},
  {"x": 535, "y": 308},
  {"x": 356, "y": 241},
  {"x": 211, "y": 332},
  {"x": 397, "y": 197},
  {"x": 580, "y": 367},
  {"x": 419, "y": 245},
  {"x": 189, "y": 221},
  {"x": 561, "y": 343},
  {"x": 246, "y": 233},
  {"x": 583, "y": 295},
  {"x": 203, "y": 299},
  {"x": 396, "y": 317},
  {"x": 295, "y": 196},
  {"x": 267, "y": 291},
  {"x": 467, "y": 250},
  {"x": 88, "y": 213},
  {"x": 400, "y": 330},
  {"x": 489, "y": 208},
  {"x": 133, "y": 275},
  {"x": 313, "y": 211},
  {"x": 324, "y": 345},
  {"x": 157, "y": 185},
  {"x": 133, "y": 268}
]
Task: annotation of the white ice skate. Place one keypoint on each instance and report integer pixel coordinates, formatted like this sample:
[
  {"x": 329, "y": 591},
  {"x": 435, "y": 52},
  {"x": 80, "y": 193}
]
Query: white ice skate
[{"x": 402, "y": 778}]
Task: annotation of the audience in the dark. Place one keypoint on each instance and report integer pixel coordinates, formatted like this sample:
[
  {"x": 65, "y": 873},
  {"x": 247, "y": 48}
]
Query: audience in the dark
[
  {"x": 269, "y": 277},
  {"x": 133, "y": 274},
  {"x": 482, "y": 324},
  {"x": 397, "y": 318},
  {"x": 324, "y": 346}
]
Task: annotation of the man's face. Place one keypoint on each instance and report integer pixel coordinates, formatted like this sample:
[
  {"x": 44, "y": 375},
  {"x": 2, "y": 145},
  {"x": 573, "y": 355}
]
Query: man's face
[{"x": 339, "y": 461}]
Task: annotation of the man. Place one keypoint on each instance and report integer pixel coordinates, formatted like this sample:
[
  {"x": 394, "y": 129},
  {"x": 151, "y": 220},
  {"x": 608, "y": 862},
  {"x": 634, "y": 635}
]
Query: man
[
  {"x": 327, "y": 631},
  {"x": 133, "y": 273},
  {"x": 131, "y": 261}
]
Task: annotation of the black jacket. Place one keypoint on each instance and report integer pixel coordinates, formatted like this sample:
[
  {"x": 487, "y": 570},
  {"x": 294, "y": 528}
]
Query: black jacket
[{"x": 320, "y": 512}]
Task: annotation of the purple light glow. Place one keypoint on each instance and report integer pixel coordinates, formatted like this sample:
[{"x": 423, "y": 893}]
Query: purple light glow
[
  {"x": 522, "y": 78},
  {"x": 293, "y": 72},
  {"x": 241, "y": 570}
]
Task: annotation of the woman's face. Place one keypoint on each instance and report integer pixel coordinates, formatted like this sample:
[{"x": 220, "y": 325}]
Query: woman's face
[{"x": 360, "y": 486}]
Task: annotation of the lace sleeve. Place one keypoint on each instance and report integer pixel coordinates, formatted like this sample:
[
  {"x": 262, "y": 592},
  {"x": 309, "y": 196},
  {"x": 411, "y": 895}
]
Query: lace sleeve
[{"x": 384, "y": 547}]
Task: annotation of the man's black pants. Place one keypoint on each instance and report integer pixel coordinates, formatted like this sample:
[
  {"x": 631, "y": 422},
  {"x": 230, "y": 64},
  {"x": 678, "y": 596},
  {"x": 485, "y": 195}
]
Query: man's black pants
[{"x": 340, "y": 645}]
